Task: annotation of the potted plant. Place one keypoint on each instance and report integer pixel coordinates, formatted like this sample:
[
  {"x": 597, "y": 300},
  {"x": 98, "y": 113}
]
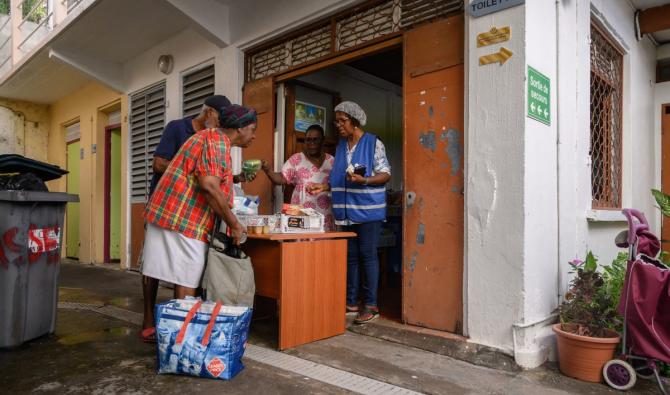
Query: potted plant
[{"x": 586, "y": 340}]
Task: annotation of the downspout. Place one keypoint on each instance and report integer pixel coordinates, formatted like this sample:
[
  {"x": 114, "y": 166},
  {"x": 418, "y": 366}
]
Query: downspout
[{"x": 559, "y": 282}]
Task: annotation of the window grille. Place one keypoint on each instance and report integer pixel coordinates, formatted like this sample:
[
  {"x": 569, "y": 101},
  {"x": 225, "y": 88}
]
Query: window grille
[
  {"x": 196, "y": 87},
  {"x": 354, "y": 27},
  {"x": 147, "y": 120},
  {"x": 606, "y": 108}
]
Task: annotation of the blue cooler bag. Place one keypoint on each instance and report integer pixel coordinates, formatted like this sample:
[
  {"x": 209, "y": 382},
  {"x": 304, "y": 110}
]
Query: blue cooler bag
[{"x": 203, "y": 339}]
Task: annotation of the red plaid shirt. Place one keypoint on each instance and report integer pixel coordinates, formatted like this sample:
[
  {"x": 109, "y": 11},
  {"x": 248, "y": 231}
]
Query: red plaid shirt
[{"x": 178, "y": 203}]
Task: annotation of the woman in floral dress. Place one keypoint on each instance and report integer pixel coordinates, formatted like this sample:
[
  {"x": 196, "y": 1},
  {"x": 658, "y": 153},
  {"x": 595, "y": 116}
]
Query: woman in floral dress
[{"x": 311, "y": 166}]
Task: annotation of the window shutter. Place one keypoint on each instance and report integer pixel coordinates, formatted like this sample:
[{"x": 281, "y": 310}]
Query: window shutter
[
  {"x": 147, "y": 120},
  {"x": 196, "y": 87}
]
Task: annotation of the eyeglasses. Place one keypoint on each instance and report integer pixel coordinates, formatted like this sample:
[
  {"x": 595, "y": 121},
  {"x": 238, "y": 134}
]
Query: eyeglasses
[
  {"x": 341, "y": 121},
  {"x": 311, "y": 140}
]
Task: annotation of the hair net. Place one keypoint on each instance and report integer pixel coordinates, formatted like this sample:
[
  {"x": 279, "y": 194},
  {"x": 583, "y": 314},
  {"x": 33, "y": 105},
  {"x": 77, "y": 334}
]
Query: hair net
[{"x": 353, "y": 110}]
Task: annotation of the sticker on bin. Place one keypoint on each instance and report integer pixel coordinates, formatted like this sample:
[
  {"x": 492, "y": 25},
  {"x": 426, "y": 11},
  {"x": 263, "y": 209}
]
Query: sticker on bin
[{"x": 44, "y": 240}]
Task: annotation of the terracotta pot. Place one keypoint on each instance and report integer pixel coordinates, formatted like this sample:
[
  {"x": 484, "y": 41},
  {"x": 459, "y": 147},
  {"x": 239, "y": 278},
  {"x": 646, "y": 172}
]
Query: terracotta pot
[{"x": 583, "y": 357}]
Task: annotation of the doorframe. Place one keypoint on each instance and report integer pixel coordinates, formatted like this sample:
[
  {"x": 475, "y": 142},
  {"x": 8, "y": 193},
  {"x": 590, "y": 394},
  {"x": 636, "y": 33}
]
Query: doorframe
[
  {"x": 107, "y": 188},
  {"x": 665, "y": 166},
  {"x": 67, "y": 220}
]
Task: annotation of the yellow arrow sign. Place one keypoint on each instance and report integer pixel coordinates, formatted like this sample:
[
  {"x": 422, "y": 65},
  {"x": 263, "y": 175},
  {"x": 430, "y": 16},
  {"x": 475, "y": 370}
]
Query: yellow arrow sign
[
  {"x": 493, "y": 36},
  {"x": 500, "y": 56}
]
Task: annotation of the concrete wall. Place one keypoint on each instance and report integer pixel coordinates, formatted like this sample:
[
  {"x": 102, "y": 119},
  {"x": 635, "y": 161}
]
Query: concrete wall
[
  {"x": 24, "y": 128},
  {"x": 639, "y": 138},
  {"x": 494, "y": 195},
  {"x": 89, "y": 105}
]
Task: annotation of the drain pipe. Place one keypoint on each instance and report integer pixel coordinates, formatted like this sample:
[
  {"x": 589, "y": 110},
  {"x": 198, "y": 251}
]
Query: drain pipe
[{"x": 559, "y": 281}]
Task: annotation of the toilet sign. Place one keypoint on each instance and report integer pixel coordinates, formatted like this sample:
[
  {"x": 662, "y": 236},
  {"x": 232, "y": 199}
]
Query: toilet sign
[
  {"x": 539, "y": 105},
  {"x": 479, "y": 8}
]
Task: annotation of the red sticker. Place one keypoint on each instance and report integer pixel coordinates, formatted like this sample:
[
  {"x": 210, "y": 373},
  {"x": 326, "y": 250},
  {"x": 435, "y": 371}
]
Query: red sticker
[{"x": 216, "y": 367}]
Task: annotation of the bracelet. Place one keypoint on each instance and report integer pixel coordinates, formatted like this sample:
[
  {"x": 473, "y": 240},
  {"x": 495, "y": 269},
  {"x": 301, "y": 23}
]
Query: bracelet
[{"x": 366, "y": 181}]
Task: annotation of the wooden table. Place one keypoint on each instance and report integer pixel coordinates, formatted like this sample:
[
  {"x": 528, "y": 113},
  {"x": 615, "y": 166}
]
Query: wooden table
[{"x": 307, "y": 274}]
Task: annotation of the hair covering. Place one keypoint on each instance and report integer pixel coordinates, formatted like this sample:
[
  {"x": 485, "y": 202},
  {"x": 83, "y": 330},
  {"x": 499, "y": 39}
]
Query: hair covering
[
  {"x": 235, "y": 116},
  {"x": 217, "y": 101},
  {"x": 353, "y": 110}
]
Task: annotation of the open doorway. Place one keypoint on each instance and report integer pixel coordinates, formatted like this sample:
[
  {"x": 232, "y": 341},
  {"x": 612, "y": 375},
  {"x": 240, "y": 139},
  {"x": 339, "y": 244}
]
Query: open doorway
[
  {"x": 73, "y": 158},
  {"x": 375, "y": 83}
]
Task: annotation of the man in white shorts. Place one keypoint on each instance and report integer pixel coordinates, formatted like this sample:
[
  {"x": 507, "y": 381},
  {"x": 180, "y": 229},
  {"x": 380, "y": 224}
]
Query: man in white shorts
[{"x": 196, "y": 187}]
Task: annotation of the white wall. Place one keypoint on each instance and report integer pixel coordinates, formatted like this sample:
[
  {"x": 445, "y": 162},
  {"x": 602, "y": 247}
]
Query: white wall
[
  {"x": 494, "y": 194},
  {"x": 640, "y": 172},
  {"x": 250, "y": 26}
]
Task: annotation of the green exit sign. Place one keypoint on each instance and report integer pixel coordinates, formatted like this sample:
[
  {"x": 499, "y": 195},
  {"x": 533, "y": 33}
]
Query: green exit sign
[{"x": 539, "y": 96}]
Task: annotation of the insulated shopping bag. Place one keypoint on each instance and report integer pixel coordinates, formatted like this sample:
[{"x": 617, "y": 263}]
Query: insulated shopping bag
[
  {"x": 228, "y": 279},
  {"x": 202, "y": 339}
]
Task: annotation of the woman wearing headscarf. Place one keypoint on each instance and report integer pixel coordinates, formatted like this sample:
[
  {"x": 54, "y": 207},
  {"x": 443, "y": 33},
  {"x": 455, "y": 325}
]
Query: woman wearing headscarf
[
  {"x": 196, "y": 187},
  {"x": 357, "y": 183},
  {"x": 312, "y": 165}
]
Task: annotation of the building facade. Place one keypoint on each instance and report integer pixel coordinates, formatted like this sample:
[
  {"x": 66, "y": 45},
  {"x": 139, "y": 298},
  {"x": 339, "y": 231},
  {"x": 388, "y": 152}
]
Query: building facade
[{"x": 515, "y": 136}]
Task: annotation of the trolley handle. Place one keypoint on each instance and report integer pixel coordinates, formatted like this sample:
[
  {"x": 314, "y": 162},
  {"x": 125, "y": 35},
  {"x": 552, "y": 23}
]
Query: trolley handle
[{"x": 633, "y": 227}]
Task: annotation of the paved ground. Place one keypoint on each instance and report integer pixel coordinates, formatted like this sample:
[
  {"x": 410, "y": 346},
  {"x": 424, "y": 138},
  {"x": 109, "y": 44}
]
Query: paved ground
[{"x": 94, "y": 353}]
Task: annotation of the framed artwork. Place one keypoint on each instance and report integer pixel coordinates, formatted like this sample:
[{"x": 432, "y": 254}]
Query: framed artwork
[{"x": 308, "y": 114}]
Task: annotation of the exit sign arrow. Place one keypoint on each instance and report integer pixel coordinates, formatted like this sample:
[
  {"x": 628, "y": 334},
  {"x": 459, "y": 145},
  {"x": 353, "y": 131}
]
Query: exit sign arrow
[{"x": 498, "y": 57}]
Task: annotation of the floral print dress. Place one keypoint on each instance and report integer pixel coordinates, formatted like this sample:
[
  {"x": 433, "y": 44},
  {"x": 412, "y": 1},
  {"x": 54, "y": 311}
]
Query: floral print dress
[{"x": 300, "y": 172}]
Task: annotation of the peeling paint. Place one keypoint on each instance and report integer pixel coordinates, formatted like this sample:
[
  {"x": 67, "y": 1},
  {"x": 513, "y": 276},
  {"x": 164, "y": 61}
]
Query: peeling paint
[
  {"x": 412, "y": 261},
  {"x": 453, "y": 150},
  {"x": 427, "y": 140},
  {"x": 421, "y": 234}
]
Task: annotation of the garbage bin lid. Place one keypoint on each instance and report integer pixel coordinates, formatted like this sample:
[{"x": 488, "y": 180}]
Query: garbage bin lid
[
  {"x": 34, "y": 196},
  {"x": 13, "y": 163}
]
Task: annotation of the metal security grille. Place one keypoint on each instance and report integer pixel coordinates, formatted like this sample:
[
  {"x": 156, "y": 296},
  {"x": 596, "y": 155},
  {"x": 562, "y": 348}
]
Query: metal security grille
[
  {"x": 147, "y": 120},
  {"x": 196, "y": 87},
  {"x": 606, "y": 104},
  {"x": 359, "y": 25}
]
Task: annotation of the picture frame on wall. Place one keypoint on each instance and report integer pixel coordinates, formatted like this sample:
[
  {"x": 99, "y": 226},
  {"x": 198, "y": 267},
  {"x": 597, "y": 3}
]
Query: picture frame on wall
[{"x": 307, "y": 114}]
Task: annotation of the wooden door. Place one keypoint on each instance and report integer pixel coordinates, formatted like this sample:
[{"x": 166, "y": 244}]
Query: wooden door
[
  {"x": 72, "y": 209},
  {"x": 433, "y": 176},
  {"x": 113, "y": 202},
  {"x": 259, "y": 94},
  {"x": 665, "y": 169}
]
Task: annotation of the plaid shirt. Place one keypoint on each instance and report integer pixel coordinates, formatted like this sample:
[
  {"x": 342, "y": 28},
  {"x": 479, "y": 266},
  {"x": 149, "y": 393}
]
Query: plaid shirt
[{"x": 178, "y": 203}]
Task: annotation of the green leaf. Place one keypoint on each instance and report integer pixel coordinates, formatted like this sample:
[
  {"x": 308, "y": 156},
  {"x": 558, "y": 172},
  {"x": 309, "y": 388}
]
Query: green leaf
[
  {"x": 591, "y": 263},
  {"x": 663, "y": 201}
]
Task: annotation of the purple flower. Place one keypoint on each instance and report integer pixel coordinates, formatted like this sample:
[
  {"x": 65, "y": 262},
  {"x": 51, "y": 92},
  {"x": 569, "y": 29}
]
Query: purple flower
[{"x": 576, "y": 262}]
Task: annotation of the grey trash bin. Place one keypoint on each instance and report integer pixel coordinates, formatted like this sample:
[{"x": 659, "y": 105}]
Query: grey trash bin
[{"x": 31, "y": 235}]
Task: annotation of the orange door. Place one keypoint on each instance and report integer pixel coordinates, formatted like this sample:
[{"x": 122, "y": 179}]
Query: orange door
[
  {"x": 433, "y": 176},
  {"x": 665, "y": 168},
  {"x": 259, "y": 94}
]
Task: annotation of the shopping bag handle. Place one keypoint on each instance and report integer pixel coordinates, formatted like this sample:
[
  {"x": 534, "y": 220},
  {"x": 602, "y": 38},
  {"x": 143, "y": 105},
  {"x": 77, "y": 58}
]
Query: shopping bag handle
[
  {"x": 187, "y": 320},
  {"x": 210, "y": 326}
]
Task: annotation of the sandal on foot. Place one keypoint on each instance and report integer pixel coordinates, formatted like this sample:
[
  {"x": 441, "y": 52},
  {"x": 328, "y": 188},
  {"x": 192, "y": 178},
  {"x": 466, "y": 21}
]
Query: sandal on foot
[
  {"x": 148, "y": 335},
  {"x": 366, "y": 315},
  {"x": 352, "y": 309}
]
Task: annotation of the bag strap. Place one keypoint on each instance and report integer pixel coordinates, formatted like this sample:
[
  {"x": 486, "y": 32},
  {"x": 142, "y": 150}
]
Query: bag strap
[
  {"x": 187, "y": 320},
  {"x": 210, "y": 326}
]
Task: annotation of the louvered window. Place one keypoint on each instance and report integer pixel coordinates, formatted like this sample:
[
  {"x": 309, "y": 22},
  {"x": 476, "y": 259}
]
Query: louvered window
[
  {"x": 147, "y": 120},
  {"x": 196, "y": 87}
]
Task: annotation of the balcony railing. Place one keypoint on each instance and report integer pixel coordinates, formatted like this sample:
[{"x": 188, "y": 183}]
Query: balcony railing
[{"x": 37, "y": 20}]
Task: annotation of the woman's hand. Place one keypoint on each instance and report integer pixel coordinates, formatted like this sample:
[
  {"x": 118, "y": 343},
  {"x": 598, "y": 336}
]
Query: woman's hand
[
  {"x": 357, "y": 178},
  {"x": 238, "y": 233},
  {"x": 315, "y": 189},
  {"x": 265, "y": 165}
]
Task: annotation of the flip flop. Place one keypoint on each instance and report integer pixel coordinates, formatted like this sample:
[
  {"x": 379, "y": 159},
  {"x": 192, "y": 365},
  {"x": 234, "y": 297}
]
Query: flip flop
[{"x": 148, "y": 335}]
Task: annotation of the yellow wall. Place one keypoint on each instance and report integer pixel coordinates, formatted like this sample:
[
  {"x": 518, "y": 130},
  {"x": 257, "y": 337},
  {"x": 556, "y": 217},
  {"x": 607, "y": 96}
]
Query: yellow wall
[{"x": 90, "y": 105}]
